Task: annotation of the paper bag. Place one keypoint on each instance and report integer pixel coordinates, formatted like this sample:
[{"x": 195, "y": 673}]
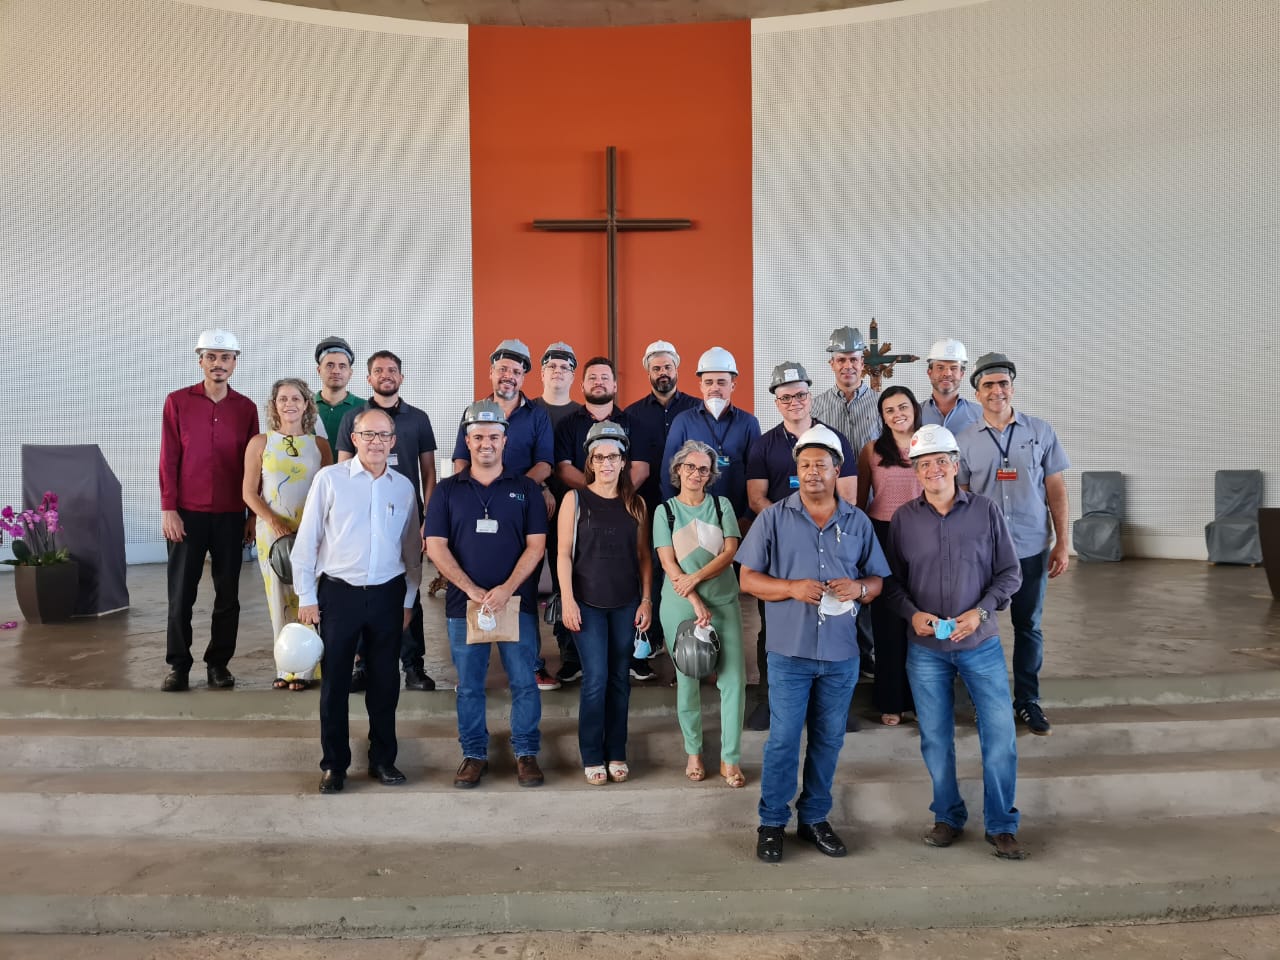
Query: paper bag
[{"x": 507, "y": 630}]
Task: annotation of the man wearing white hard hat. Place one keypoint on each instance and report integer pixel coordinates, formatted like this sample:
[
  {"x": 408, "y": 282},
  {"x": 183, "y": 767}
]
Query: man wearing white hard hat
[
  {"x": 945, "y": 366},
  {"x": 204, "y": 432},
  {"x": 954, "y": 632},
  {"x": 1017, "y": 461},
  {"x": 727, "y": 429},
  {"x": 814, "y": 559}
]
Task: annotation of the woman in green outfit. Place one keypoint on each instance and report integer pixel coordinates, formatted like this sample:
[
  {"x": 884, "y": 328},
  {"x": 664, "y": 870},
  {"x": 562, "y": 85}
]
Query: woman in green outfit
[{"x": 696, "y": 537}]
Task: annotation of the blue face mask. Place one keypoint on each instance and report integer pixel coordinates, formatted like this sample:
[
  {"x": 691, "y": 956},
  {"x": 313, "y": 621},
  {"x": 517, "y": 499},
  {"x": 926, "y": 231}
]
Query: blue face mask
[
  {"x": 944, "y": 628},
  {"x": 643, "y": 649}
]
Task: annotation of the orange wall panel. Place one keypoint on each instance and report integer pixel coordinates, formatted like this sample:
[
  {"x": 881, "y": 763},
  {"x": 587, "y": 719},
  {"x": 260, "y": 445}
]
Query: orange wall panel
[{"x": 676, "y": 102}]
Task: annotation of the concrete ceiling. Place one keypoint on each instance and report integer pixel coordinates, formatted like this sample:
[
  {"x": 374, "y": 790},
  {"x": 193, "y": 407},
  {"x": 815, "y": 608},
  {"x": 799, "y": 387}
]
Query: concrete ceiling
[{"x": 578, "y": 13}]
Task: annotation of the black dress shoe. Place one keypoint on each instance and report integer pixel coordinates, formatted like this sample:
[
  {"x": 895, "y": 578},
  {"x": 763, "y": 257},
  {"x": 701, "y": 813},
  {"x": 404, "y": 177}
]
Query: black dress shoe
[
  {"x": 332, "y": 781},
  {"x": 358, "y": 679},
  {"x": 758, "y": 719},
  {"x": 387, "y": 775},
  {"x": 220, "y": 678},
  {"x": 769, "y": 843},
  {"x": 823, "y": 837},
  {"x": 175, "y": 682},
  {"x": 415, "y": 678}
]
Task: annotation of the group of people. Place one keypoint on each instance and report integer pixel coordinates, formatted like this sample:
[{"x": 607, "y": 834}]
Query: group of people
[{"x": 878, "y": 534}]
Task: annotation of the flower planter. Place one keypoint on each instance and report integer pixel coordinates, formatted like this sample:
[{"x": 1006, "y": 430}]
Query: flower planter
[{"x": 47, "y": 594}]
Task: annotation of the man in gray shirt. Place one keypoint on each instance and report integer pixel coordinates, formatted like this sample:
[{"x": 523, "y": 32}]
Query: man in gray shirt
[{"x": 953, "y": 567}]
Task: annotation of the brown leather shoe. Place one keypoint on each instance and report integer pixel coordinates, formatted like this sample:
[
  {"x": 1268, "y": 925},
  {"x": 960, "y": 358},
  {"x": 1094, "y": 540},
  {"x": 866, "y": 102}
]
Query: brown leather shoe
[
  {"x": 942, "y": 835},
  {"x": 470, "y": 772},
  {"x": 1006, "y": 846},
  {"x": 528, "y": 773}
]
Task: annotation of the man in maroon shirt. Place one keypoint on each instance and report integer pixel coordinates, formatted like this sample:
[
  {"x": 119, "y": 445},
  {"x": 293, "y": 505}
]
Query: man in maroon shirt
[{"x": 202, "y": 441}]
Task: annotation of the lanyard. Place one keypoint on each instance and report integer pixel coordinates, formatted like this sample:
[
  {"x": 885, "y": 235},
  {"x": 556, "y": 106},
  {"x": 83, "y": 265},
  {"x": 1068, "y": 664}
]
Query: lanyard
[
  {"x": 719, "y": 435},
  {"x": 1004, "y": 453},
  {"x": 483, "y": 502}
]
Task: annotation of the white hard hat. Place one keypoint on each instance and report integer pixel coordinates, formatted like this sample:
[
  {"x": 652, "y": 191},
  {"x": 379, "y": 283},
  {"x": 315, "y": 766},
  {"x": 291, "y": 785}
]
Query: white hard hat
[
  {"x": 947, "y": 349},
  {"x": 717, "y": 360},
  {"x": 298, "y": 649},
  {"x": 660, "y": 346},
  {"x": 217, "y": 339},
  {"x": 820, "y": 436},
  {"x": 932, "y": 438}
]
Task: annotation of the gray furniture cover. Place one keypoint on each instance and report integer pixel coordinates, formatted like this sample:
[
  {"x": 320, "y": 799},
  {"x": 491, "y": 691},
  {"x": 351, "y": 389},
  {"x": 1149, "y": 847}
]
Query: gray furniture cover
[
  {"x": 1232, "y": 537},
  {"x": 92, "y": 515},
  {"x": 1096, "y": 535}
]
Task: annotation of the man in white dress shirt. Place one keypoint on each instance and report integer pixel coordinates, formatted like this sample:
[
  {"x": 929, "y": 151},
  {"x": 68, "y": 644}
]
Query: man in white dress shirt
[{"x": 357, "y": 564}]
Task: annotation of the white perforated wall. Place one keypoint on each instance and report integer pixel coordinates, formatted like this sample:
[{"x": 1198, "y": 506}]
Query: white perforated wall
[
  {"x": 169, "y": 167},
  {"x": 1087, "y": 186}
]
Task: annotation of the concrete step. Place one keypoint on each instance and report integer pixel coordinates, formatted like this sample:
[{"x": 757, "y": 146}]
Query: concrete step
[
  {"x": 654, "y": 739},
  {"x": 309, "y": 884},
  {"x": 275, "y": 806},
  {"x": 204, "y": 704}
]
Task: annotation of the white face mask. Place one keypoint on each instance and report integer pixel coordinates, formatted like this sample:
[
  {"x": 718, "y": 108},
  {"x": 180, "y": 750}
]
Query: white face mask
[
  {"x": 831, "y": 606},
  {"x": 485, "y": 620},
  {"x": 716, "y": 405}
]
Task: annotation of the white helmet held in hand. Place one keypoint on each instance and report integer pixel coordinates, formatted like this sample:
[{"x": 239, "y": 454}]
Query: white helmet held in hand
[
  {"x": 298, "y": 649},
  {"x": 932, "y": 438}
]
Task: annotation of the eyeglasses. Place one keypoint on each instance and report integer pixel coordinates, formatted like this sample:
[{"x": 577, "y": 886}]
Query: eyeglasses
[
  {"x": 290, "y": 447},
  {"x": 606, "y": 458},
  {"x": 368, "y": 436},
  {"x": 787, "y": 399},
  {"x": 695, "y": 471}
]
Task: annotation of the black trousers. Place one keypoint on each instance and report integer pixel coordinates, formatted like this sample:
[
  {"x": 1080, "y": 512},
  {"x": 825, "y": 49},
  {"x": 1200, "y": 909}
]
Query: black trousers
[
  {"x": 892, "y": 692},
  {"x": 220, "y": 536},
  {"x": 374, "y": 617}
]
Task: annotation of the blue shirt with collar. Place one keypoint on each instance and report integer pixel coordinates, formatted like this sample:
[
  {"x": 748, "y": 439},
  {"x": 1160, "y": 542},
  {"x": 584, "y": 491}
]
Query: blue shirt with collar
[
  {"x": 770, "y": 458},
  {"x": 730, "y": 436},
  {"x": 515, "y": 502},
  {"x": 785, "y": 543},
  {"x": 1035, "y": 453},
  {"x": 657, "y": 419},
  {"x": 962, "y": 414},
  {"x": 529, "y": 438}
]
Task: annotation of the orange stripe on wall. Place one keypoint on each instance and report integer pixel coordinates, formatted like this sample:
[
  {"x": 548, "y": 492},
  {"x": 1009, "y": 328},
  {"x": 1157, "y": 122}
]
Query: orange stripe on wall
[{"x": 676, "y": 102}]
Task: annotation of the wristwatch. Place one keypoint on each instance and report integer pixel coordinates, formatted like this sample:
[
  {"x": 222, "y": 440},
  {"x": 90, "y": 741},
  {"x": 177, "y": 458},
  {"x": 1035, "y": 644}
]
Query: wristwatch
[
  {"x": 863, "y": 595},
  {"x": 983, "y": 616}
]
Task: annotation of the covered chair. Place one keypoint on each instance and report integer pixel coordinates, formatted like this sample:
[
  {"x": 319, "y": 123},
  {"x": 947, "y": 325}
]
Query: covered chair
[
  {"x": 1096, "y": 535},
  {"x": 1232, "y": 537}
]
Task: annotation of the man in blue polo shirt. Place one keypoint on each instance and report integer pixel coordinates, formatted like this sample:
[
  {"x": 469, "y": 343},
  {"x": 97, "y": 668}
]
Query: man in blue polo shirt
[
  {"x": 813, "y": 558},
  {"x": 727, "y": 429},
  {"x": 771, "y": 478},
  {"x": 529, "y": 440},
  {"x": 1016, "y": 460},
  {"x": 486, "y": 530},
  {"x": 945, "y": 407}
]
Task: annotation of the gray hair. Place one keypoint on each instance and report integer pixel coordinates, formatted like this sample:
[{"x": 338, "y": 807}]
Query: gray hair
[
  {"x": 355, "y": 424},
  {"x": 690, "y": 447}
]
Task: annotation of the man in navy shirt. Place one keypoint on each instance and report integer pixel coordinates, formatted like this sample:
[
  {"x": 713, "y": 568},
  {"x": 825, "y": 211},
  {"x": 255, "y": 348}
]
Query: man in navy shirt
[
  {"x": 486, "y": 531},
  {"x": 771, "y": 478}
]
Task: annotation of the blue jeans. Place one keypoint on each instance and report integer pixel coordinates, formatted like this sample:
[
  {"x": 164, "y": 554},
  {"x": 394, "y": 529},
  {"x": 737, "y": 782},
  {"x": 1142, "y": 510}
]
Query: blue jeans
[
  {"x": 472, "y": 663},
  {"x": 605, "y": 645},
  {"x": 1028, "y": 642},
  {"x": 933, "y": 679},
  {"x": 804, "y": 693}
]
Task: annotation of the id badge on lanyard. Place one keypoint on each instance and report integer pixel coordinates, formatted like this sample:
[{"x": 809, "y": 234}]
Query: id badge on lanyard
[{"x": 1005, "y": 472}]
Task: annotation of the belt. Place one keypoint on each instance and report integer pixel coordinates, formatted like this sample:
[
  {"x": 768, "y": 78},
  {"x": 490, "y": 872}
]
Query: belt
[{"x": 360, "y": 586}]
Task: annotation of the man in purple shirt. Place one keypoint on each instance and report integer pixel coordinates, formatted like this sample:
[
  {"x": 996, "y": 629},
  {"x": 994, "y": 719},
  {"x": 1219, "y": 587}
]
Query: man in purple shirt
[
  {"x": 203, "y": 435},
  {"x": 954, "y": 566}
]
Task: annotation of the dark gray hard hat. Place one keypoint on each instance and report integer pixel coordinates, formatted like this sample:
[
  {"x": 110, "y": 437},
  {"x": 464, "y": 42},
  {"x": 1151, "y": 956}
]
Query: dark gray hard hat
[
  {"x": 992, "y": 363},
  {"x": 606, "y": 430},
  {"x": 694, "y": 656},
  {"x": 281, "y": 558},
  {"x": 846, "y": 340},
  {"x": 334, "y": 345}
]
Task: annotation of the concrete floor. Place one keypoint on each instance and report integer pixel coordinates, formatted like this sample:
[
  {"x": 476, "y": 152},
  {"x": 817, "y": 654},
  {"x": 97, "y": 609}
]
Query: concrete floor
[{"x": 1135, "y": 618}]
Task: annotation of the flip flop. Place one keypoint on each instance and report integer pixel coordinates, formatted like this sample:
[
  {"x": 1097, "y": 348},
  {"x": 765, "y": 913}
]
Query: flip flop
[
  {"x": 279, "y": 683},
  {"x": 619, "y": 771},
  {"x": 736, "y": 779},
  {"x": 596, "y": 776},
  {"x": 296, "y": 685}
]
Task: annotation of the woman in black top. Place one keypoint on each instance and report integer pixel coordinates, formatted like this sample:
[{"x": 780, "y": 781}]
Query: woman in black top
[{"x": 605, "y": 574}]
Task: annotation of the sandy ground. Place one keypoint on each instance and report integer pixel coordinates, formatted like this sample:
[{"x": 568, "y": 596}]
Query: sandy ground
[{"x": 1250, "y": 938}]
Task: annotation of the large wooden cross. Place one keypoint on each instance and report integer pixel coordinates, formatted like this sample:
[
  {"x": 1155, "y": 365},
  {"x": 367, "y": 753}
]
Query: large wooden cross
[{"x": 611, "y": 225}]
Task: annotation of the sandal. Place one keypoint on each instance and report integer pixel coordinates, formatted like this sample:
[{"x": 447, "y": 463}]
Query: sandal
[
  {"x": 694, "y": 770},
  {"x": 279, "y": 683},
  {"x": 619, "y": 771},
  {"x": 733, "y": 775},
  {"x": 596, "y": 776},
  {"x": 890, "y": 719},
  {"x": 297, "y": 685}
]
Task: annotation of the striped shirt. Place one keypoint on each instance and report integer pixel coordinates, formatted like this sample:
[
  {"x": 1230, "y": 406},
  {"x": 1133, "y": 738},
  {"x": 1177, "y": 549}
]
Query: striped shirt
[{"x": 858, "y": 419}]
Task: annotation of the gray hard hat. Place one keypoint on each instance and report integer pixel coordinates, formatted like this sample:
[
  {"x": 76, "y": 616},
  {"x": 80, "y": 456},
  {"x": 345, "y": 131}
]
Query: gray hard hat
[
  {"x": 560, "y": 351},
  {"x": 695, "y": 656},
  {"x": 606, "y": 430},
  {"x": 846, "y": 340},
  {"x": 334, "y": 345},
  {"x": 789, "y": 372},
  {"x": 513, "y": 350},
  {"x": 281, "y": 558},
  {"x": 992, "y": 363},
  {"x": 483, "y": 411}
]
